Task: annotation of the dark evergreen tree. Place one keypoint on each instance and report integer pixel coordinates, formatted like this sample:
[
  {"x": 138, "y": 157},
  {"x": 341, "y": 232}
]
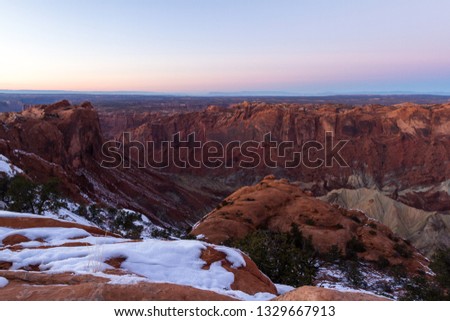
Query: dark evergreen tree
[{"x": 287, "y": 258}]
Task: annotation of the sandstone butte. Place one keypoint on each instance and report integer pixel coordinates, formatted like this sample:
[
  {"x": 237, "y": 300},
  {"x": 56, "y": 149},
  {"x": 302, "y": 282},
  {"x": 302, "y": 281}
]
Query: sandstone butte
[{"x": 277, "y": 204}]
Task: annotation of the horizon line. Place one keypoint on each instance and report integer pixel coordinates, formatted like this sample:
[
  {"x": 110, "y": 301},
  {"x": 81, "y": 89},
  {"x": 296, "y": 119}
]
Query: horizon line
[{"x": 244, "y": 93}]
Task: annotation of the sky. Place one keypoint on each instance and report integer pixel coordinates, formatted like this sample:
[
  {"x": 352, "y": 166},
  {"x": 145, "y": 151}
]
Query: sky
[{"x": 201, "y": 46}]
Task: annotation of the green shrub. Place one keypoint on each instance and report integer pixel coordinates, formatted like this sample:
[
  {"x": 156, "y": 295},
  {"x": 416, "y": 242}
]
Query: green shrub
[
  {"x": 421, "y": 288},
  {"x": 373, "y": 225},
  {"x": 353, "y": 247},
  {"x": 354, "y": 275},
  {"x": 403, "y": 250},
  {"x": 287, "y": 258},
  {"x": 425, "y": 288},
  {"x": 22, "y": 195},
  {"x": 440, "y": 265},
  {"x": 187, "y": 236},
  {"x": 124, "y": 222},
  {"x": 161, "y": 234},
  {"x": 334, "y": 255},
  {"x": 49, "y": 198},
  {"x": 398, "y": 272},
  {"x": 224, "y": 203},
  {"x": 382, "y": 263},
  {"x": 4, "y": 183},
  {"x": 92, "y": 213}
]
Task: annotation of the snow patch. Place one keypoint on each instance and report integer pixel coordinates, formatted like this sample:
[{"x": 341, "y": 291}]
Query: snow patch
[
  {"x": 50, "y": 234},
  {"x": 64, "y": 215},
  {"x": 342, "y": 288},
  {"x": 69, "y": 215},
  {"x": 234, "y": 256},
  {"x": 8, "y": 168},
  {"x": 3, "y": 282},
  {"x": 18, "y": 215},
  {"x": 283, "y": 288}
]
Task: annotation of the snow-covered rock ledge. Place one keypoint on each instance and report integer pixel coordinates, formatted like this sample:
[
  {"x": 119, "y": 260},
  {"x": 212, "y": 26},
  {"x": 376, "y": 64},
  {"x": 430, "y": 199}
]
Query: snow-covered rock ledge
[{"x": 63, "y": 247}]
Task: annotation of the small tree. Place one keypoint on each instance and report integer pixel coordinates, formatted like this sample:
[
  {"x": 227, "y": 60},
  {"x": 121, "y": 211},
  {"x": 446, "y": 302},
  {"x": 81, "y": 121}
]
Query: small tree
[
  {"x": 124, "y": 223},
  {"x": 419, "y": 288},
  {"x": 4, "y": 185},
  {"x": 49, "y": 198},
  {"x": 353, "y": 247},
  {"x": 21, "y": 194},
  {"x": 354, "y": 275},
  {"x": 440, "y": 265},
  {"x": 94, "y": 214},
  {"x": 428, "y": 289}
]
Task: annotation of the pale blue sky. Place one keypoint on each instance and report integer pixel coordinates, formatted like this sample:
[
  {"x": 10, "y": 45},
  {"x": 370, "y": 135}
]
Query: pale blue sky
[{"x": 197, "y": 46}]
